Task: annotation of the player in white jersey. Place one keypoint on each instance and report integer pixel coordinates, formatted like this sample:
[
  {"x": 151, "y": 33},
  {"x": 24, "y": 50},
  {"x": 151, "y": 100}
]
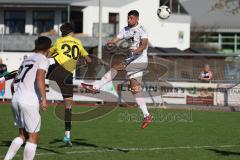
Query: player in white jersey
[
  {"x": 135, "y": 63},
  {"x": 29, "y": 87}
]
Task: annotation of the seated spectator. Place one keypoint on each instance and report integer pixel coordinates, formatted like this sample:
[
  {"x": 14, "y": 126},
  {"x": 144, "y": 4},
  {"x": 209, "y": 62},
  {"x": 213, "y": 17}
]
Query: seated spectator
[{"x": 206, "y": 75}]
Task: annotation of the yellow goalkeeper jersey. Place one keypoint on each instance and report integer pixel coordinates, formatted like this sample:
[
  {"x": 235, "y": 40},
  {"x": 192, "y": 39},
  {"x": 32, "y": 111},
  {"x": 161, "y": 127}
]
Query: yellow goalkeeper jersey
[{"x": 67, "y": 50}]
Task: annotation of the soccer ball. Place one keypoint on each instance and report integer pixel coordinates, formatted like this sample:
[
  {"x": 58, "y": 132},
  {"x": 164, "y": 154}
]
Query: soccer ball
[{"x": 164, "y": 12}]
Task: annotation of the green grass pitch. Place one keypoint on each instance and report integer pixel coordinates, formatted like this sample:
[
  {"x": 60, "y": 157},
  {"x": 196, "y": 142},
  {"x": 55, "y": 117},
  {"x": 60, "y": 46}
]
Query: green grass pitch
[{"x": 174, "y": 135}]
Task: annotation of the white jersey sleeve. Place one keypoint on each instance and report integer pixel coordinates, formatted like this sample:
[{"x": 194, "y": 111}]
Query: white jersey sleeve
[
  {"x": 144, "y": 34},
  {"x": 43, "y": 63},
  {"x": 121, "y": 34}
]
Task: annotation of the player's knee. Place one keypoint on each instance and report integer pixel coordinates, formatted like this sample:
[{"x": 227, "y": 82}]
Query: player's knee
[
  {"x": 68, "y": 102},
  {"x": 135, "y": 89},
  {"x": 115, "y": 66},
  {"x": 135, "y": 86},
  {"x": 23, "y": 134},
  {"x": 118, "y": 67},
  {"x": 34, "y": 138},
  {"x": 68, "y": 107}
]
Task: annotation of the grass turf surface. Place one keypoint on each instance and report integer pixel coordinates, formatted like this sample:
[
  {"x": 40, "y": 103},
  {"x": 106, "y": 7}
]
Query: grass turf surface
[{"x": 174, "y": 135}]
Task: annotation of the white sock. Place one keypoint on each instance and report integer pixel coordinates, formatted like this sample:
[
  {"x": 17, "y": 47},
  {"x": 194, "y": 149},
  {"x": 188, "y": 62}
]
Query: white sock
[
  {"x": 109, "y": 76},
  {"x": 142, "y": 104},
  {"x": 14, "y": 147},
  {"x": 29, "y": 151},
  {"x": 67, "y": 133}
]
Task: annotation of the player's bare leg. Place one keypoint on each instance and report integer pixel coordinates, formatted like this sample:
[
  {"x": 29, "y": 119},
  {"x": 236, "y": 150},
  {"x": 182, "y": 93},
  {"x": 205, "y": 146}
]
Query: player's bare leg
[
  {"x": 109, "y": 76},
  {"x": 16, "y": 144},
  {"x": 68, "y": 120},
  {"x": 31, "y": 146},
  {"x": 136, "y": 91}
]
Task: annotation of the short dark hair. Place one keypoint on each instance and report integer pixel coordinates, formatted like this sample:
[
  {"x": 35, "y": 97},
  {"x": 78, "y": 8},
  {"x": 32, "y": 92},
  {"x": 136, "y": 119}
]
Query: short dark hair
[
  {"x": 43, "y": 43},
  {"x": 133, "y": 13},
  {"x": 66, "y": 28}
]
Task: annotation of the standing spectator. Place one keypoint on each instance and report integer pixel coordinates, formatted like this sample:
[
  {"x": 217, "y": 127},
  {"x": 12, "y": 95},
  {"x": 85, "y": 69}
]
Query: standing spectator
[
  {"x": 206, "y": 75},
  {"x": 3, "y": 71},
  {"x": 3, "y": 68}
]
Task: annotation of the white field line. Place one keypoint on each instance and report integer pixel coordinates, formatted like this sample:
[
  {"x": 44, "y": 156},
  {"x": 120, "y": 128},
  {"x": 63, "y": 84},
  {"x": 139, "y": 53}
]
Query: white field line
[{"x": 132, "y": 149}]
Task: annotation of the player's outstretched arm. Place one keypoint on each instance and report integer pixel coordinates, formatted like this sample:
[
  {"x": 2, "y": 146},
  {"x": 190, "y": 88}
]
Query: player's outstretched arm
[
  {"x": 112, "y": 41},
  {"x": 41, "y": 86},
  {"x": 9, "y": 76}
]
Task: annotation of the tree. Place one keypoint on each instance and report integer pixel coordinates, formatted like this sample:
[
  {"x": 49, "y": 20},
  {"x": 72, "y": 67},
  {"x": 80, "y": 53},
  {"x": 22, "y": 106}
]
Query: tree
[{"x": 229, "y": 6}]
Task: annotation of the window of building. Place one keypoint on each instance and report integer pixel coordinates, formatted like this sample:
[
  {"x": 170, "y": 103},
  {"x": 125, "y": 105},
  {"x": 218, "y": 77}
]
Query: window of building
[
  {"x": 208, "y": 37},
  {"x": 76, "y": 19},
  {"x": 14, "y": 22},
  {"x": 114, "y": 19},
  {"x": 227, "y": 48},
  {"x": 64, "y": 17},
  {"x": 175, "y": 5},
  {"x": 165, "y": 3},
  {"x": 238, "y": 49},
  {"x": 225, "y": 42},
  {"x": 43, "y": 21},
  {"x": 178, "y": 8}
]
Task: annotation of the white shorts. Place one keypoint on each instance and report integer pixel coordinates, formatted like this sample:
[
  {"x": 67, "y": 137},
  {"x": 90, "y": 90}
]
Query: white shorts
[
  {"x": 26, "y": 115},
  {"x": 136, "y": 71}
]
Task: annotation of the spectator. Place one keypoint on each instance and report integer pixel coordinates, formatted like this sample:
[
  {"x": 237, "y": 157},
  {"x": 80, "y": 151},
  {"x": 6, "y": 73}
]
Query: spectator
[
  {"x": 3, "y": 71},
  {"x": 206, "y": 75},
  {"x": 3, "y": 68}
]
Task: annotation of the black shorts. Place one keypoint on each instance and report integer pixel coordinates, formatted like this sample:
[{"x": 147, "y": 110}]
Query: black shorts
[{"x": 63, "y": 78}]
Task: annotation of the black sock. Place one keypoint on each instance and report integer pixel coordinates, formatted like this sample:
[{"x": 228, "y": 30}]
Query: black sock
[{"x": 68, "y": 119}]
